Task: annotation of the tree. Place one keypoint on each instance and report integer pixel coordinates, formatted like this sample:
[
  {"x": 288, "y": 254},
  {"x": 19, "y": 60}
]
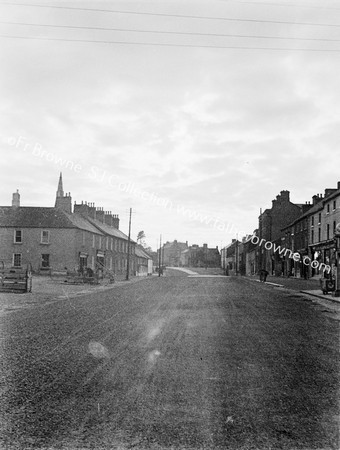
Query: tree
[{"x": 140, "y": 237}]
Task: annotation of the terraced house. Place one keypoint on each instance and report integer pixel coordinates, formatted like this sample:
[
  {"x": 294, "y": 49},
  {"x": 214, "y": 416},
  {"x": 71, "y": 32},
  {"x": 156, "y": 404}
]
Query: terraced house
[{"x": 55, "y": 238}]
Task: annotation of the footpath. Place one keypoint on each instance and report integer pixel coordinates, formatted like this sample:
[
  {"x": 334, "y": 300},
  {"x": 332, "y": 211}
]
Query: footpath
[
  {"x": 46, "y": 290},
  {"x": 310, "y": 286}
]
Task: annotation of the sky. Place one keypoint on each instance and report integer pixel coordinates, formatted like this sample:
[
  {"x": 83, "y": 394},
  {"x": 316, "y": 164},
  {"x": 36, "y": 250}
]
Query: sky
[{"x": 195, "y": 114}]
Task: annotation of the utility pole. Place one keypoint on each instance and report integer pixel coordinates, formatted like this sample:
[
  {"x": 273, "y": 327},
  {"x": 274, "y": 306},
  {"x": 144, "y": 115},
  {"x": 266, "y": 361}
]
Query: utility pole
[
  {"x": 163, "y": 257},
  {"x": 160, "y": 256},
  {"x": 128, "y": 249}
]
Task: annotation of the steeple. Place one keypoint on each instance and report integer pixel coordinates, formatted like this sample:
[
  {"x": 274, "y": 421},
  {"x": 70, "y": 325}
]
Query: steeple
[
  {"x": 63, "y": 202},
  {"x": 60, "y": 191}
]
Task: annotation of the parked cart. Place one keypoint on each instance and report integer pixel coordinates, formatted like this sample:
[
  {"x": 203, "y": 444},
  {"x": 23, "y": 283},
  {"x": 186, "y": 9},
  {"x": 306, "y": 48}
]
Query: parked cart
[{"x": 14, "y": 279}]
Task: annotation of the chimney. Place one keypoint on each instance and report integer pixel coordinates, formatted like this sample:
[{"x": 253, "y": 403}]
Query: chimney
[
  {"x": 285, "y": 196},
  {"x": 316, "y": 199},
  {"x": 329, "y": 192},
  {"x": 16, "y": 199},
  {"x": 115, "y": 221},
  {"x": 108, "y": 218},
  {"x": 82, "y": 209},
  {"x": 64, "y": 203},
  {"x": 92, "y": 210},
  {"x": 100, "y": 214}
]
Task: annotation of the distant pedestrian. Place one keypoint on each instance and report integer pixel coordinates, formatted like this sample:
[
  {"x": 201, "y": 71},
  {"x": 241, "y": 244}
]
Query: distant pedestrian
[{"x": 263, "y": 275}]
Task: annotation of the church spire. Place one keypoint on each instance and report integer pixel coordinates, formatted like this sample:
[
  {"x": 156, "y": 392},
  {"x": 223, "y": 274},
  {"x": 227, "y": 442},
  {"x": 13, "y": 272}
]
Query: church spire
[
  {"x": 63, "y": 202},
  {"x": 60, "y": 191}
]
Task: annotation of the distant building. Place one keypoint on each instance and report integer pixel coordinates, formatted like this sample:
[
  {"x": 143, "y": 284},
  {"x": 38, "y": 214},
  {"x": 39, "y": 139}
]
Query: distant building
[
  {"x": 144, "y": 262},
  {"x": 171, "y": 253},
  {"x": 203, "y": 256},
  {"x": 230, "y": 258},
  {"x": 271, "y": 223}
]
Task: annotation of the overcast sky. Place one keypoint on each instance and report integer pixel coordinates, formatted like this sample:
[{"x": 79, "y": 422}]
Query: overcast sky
[{"x": 195, "y": 136}]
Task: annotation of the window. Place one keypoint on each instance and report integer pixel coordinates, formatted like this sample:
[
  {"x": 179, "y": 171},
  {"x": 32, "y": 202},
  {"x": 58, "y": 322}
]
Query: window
[
  {"x": 328, "y": 230},
  {"x": 111, "y": 244},
  {"x": 45, "y": 237},
  {"x": 319, "y": 217},
  {"x": 17, "y": 257},
  {"x": 312, "y": 221},
  {"x": 312, "y": 237},
  {"x": 45, "y": 260},
  {"x": 319, "y": 235},
  {"x": 18, "y": 236},
  {"x": 93, "y": 241},
  {"x": 334, "y": 205},
  {"x": 328, "y": 208},
  {"x": 100, "y": 242},
  {"x": 107, "y": 243}
]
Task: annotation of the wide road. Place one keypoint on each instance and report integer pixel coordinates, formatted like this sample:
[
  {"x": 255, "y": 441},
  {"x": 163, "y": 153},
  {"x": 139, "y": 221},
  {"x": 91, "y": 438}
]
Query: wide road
[{"x": 174, "y": 362}]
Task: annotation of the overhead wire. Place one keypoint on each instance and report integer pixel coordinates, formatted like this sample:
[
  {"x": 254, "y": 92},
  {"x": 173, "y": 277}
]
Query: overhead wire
[
  {"x": 180, "y": 33},
  {"x": 144, "y": 13},
  {"x": 292, "y": 5},
  {"x": 170, "y": 44}
]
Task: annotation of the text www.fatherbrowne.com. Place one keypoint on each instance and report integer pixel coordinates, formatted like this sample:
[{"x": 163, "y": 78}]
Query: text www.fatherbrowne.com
[{"x": 268, "y": 245}]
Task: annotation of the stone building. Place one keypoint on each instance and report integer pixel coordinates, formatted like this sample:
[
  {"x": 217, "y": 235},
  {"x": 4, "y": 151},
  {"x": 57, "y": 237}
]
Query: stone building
[
  {"x": 271, "y": 224},
  {"x": 171, "y": 253},
  {"x": 203, "y": 256},
  {"x": 56, "y": 239},
  {"x": 312, "y": 235}
]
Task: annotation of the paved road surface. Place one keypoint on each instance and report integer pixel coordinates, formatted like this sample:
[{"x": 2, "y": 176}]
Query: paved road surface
[{"x": 172, "y": 362}]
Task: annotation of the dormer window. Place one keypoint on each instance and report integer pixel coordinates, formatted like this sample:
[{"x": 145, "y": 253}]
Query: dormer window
[{"x": 18, "y": 236}]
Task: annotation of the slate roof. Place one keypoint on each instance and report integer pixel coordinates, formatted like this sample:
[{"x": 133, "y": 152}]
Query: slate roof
[
  {"x": 315, "y": 208},
  {"x": 41, "y": 217},
  {"x": 107, "y": 229},
  {"x": 141, "y": 253}
]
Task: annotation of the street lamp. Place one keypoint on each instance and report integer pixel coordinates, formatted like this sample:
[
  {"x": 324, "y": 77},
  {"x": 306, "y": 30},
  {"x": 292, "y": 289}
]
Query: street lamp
[{"x": 337, "y": 256}]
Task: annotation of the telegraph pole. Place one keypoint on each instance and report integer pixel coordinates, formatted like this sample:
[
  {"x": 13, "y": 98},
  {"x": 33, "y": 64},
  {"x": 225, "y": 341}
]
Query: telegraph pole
[
  {"x": 160, "y": 256},
  {"x": 128, "y": 249}
]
